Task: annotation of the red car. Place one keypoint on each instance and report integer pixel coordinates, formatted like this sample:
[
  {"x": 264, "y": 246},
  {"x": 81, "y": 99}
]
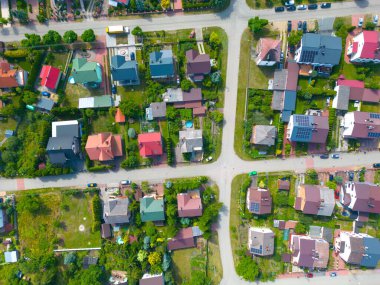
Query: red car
[{"x": 309, "y": 275}]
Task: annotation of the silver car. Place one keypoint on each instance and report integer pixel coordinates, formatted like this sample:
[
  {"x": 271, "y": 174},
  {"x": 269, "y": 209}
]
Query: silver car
[{"x": 301, "y": 7}]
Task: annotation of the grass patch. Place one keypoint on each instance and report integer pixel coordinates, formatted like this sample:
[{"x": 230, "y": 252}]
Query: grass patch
[
  {"x": 370, "y": 107},
  {"x": 57, "y": 60},
  {"x": 24, "y": 63},
  {"x": 7, "y": 124},
  {"x": 75, "y": 91}
]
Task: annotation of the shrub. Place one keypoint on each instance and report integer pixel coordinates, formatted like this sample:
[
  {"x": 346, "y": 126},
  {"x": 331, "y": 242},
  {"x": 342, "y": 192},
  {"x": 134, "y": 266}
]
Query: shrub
[
  {"x": 18, "y": 53},
  {"x": 96, "y": 212}
]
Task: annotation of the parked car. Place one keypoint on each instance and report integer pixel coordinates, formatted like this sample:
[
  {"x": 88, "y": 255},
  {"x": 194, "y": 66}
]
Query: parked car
[
  {"x": 351, "y": 175},
  {"x": 331, "y": 177},
  {"x": 376, "y": 165},
  {"x": 252, "y": 173},
  {"x": 376, "y": 19},
  {"x": 333, "y": 274},
  {"x": 299, "y": 26},
  {"x": 209, "y": 158},
  {"x": 289, "y": 26},
  {"x": 125, "y": 182},
  {"x": 304, "y": 26},
  {"x": 113, "y": 89},
  {"x": 192, "y": 34},
  {"x": 92, "y": 185},
  {"x": 302, "y": 7},
  {"x": 290, "y": 8},
  {"x": 312, "y": 6},
  {"x": 279, "y": 9},
  {"x": 45, "y": 93},
  {"x": 325, "y": 5},
  {"x": 309, "y": 275},
  {"x": 335, "y": 155},
  {"x": 324, "y": 156},
  {"x": 360, "y": 22},
  {"x": 133, "y": 56}
]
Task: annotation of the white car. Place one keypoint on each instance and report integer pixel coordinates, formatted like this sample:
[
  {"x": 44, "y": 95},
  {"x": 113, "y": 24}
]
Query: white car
[
  {"x": 209, "y": 158},
  {"x": 360, "y": 22},
  {"x": 376, "y": 19},
  {"x": 301, "y": 7}
]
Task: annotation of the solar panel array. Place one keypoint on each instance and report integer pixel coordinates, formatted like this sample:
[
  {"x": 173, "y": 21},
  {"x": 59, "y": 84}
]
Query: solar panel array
[
  {"x": 257, "y": 250},
  {"x": 303, "y": 134},
  {"x": 255, "y": 207},
  {"x": 302, "y": 121},
  {"x": 374, "y": 116},
  {"x": 373, "y": 135},
  {"x": 308, "y": 55}
]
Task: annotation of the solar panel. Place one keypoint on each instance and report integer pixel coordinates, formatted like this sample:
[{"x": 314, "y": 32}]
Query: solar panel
[
  {"x": 373, "y": 135},
  {"x": 308, "y": 55},
  {"x": 255, "y": 207},
  {"x": 302, "y": 120},
  {"x": 374, "y": 116}
]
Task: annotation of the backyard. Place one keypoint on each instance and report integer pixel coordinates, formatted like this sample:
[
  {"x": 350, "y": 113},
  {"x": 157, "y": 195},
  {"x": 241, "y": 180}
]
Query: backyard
[{"x": 7, "y": 124}]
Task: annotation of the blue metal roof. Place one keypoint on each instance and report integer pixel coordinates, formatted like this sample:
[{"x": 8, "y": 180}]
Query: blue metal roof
[
  {"x": 161, "y": 63},
  {"x": 371, "y": 254},
  {"x": 290, "y": 100}
]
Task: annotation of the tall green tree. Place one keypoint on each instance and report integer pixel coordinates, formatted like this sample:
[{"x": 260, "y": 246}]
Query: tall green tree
[
  {"x": 256, "y": 24},
  {"x": 70, "y": 37},
  {"x": 247, "y": 268},
  {"x": 52, "y": 38},
  {"x": 31, "y": 40},
  {"x": 130, "y": 109},
  {"x": 88, "y": 36}
]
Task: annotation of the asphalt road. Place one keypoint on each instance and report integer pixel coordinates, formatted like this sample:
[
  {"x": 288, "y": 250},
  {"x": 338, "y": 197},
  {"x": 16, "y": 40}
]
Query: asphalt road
[{"x": 234, "y": 21}]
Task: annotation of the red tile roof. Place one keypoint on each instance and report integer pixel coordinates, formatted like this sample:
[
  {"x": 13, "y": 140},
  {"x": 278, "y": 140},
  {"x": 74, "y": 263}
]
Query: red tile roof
[
  {"x": 358, "y": 92},
  {"x": 50, "y": 76},
  {"x": 150, "y": 144},
  {"x": 350, "y": 83},
  {"x": 292, "y": 78},
  {"x": 189, "y": 204},
  {"x": 355, "y": 47},
  {"x": 177, "y": 4},
  {"x": 371, "y": 43},
  {"x": 104, "y": 146},
  {"x": 7, "y": 75},
  {"x": 119, "y": 116},
  {"x": 183, "y": 239}
]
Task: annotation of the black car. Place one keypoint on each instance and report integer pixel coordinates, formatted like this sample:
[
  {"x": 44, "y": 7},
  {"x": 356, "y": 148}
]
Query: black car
[
  {"x": 304, "y": 26},
  {"x": 133, "y": 57},
  {"x": 289, "y": 26},
  {"x": 113, "y": 89},
  {"x": 324, "y": 156},
  {"x": 325, "y": 5},
  {"x": 291, "y": 8},
  {"x": 299, "y": 26},
  {"x": 331, "y": 177},
  {"x": 312, "y": 6},
  {"x": 376, "y": 165},
  {"x": 279, "y": 9},
  {"x": 351, "y": 176}
]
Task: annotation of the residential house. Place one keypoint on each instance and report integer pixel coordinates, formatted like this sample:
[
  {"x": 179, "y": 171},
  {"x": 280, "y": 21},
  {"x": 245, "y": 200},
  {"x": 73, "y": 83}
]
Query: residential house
[
  {"x": 283, "y": 184},
  {"x": 119, "y": 116},
  {"x": 64, "y": 144},
  {"x": 50, "y": 77},
  {"x": 364, "y": 47},
  {"x": 104, "y": 146},
  {"x": 308, "y": 252},
  {"x": 149, "y": 279},
  {"x": 183, "y": 239},
  {"x": 124, "y": 71},
  {"x": 11, "y": 77},
  {"x": 191, "y": 141},
  {"x": 189, "y": 204},
  {"x": 104, "y": 101},
  {"x": 2, "y": 220},
  {"x": 44, "y": 105},
  {"x": 361, "y": 125},
  {"x": 150, "y": 144},
  {"x": 308, "y": 128},
  {"x": 263, "y": 135},
  {"x": 188, "y": 100},
  {"x": 321, "y": 233},
  {"x": 11, "y": 256},
  {"x": 268, "y": 52},
  {"x": 161, "y": 64},
  {"x": 86, "y": 72},
  {"x": 106, "y": 230},
  {"x": 156, "y": 110},
  {"x": 315, "y": 200},
  {"x": 284, "y": 86},
  {"x": 259, "y": 201},
  {"x": 260, "y": 241},
  {"x": 362, "y": 197},
  {"x": 152, "y": 209},
  {"x": 358, "y": 249},
  {"x": 197, "y": 65},
  {"x": 319, "y": 50},
  {"x": 285, "y": 225},
  {"x": 115, "y": 3},
  {"x": 353, "y": 90},
  {"x": 115, "y": 210}
]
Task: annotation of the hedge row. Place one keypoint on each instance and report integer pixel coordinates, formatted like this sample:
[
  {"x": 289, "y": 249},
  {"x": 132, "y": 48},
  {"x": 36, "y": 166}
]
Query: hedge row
[
  {"x": 96, "y": 212},
  {"x": 36, "y": 66},
  {"x": 169, "y": 151},
  {"x": 18, "y": 53}
]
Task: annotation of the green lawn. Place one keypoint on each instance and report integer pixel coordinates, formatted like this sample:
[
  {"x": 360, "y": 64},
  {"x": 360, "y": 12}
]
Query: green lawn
[
  {"x": 7, "y": 124},
  {"x": 24, "y": 63},
  {"x": 370, "y": 107},
  {"x": 75, "y": 91},
  {"x": 58, "y": 60}
]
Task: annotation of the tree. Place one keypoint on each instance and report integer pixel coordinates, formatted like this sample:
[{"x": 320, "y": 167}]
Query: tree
[
  {"x": 216, "y": 116},
  {"x": 130, "y": 162},
  {"x": 70, "y": 37},
  {"x": 370, "y": 26},
  {"x": 219, "y": 3},
  {"x": 165, "y": 4},
  {"x": 338, "y": 179},
  {"x": 3, "y": 21},
  {"x": 256, "y": 24},
  {"x": 214, "y": 40},
  {"x": 154, "y": 258},
  {"x": 130, "y": 108},
  {"x": 52, "y": 38},
  {"x": 29, "y": 203},
  {"x": 41, "y": 18},
  {"x": 248, "y": 269},
  {"x": 300, "y": 228},
  {"x": 94, "y": 275},
  {"x": 88, "y": 36},
  {"x": 32, "y": 40},
  {"x": 199, "y": 278},
  {"x": 186, "y": 85},
  {"x": 311, "y": 177},
  {"x": 294, "y": 37},
  {"x": 281, "y": 199},
  {"x": 137, "y": 31},
  {"x": 90, "y": 113},
  {"x": 142, "y": 255}
]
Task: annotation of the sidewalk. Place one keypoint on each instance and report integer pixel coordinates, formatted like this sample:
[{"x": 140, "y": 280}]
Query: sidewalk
[{"x": 5, "y": 11}]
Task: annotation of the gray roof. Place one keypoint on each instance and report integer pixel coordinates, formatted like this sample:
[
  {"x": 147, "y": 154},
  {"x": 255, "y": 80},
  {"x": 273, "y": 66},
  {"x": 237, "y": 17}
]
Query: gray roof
[
  {"x": 263, "y": 135},
  {"x": 262, "y": 241},
  {"x": 277, "y": 100},
  {"x": 327, "y": 202},
  {"x": 156, "y": 110},
  {"x": 325, "y": 25},
  {"x": 62, "y": 149},
  {"x": 315, "y": 231},
  {"x": 327, "y": 234},
  {"x": 116, "y": 210},
  {"x": 173, "y": 95},
  {"x": 279, "y": 79},
  {"x": 320, "y": 49},
  {"x": 161, "y": 64},
  {"x": 342, "y": 97},
  {"x": 190, "y": 140},
  {"x": 64, "y": 130},
  {"x": 45, "y": 104}
]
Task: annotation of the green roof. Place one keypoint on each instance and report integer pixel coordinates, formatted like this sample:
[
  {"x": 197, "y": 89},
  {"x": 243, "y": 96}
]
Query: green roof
[
  {"x": 102, "y": 101},
  {"x": 152, "y": 209},
  {"x": 84, "y": 71}
]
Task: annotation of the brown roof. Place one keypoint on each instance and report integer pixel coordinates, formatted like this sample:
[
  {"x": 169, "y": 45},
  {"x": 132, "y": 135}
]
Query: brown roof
[
  {"x": 297, "y": 204},
  {"x": 152, "y": 280},
  {"x": 356, "y": 254},
  {"x": 292, "y": 78},
  {"x": 183, "y": 239},
  {"x": 364, "y": 123},
  {"x": 269, "y": 49},
  {"x": 283, "y": 184},
  {"x": 312, "y": 199},
  {"x": 286, "y": 257},
  {"x": 1, "y": 104},
  {"x": 106, "y": 230},
  {"x": 7, "y": 75},
  {"x": 322, "y": 127},
  {"x": 197, "y": 63},
  {"x": 189, "y": 204},
  {"x": 195, "y": 94},
  {"x": 119, "y": 116},
  {"x": 199, "y": 111},
  {"x": 104, "y": 146},
  {"x": 367, "y": 197},
  {"x": 261, "y": 197}
]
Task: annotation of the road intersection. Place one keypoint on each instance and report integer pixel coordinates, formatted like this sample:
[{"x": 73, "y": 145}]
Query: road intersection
[{"x": 233, "y": 20}]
